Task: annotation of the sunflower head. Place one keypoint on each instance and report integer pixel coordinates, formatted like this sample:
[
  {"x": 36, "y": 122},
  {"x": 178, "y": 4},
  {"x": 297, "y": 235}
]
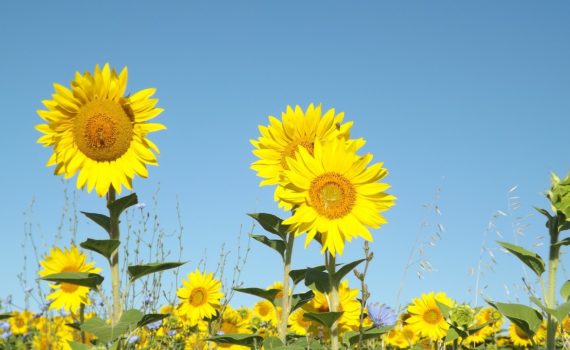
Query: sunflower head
[
  {"x": 336, "y": 195},
  {"x": 426, "y": 318},
  {"x": 199, "y": 297},
  {"x": 98, "y": 131},
  {"x": 67, "y": 296}
]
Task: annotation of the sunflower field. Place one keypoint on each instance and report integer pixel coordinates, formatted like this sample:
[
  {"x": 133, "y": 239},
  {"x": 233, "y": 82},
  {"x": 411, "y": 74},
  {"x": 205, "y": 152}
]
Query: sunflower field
[{"x": 331, "y": 194}]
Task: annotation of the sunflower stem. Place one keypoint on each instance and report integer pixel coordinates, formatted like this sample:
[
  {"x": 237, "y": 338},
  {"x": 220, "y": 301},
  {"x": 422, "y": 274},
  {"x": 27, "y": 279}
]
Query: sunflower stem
[
  {"x": 285, "y": 299},
  {"x": 333, "y": 297},
  {"x": 551, "y": 287},
  {"x": 114, "y": 260},
  {"x": 81, "y": 320}
]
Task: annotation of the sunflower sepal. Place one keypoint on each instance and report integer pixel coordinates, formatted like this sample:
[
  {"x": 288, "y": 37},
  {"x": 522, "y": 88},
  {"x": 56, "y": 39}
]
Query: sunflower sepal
[
  {"x": 105, "y": 247},
  {"x": 137, "y": 271},
  {"x": 84, "y": 279}
]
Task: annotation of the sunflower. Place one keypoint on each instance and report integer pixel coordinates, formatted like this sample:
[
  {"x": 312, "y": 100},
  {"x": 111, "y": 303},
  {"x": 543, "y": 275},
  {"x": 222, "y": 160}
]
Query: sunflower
[
  {"x": 334, "y": 194},
  {"x": 426, "y": 318},
  {"x": 232, "y": 322},
  {"x": 65, "y": 295},
  {"x": 200, "y": 297},
  {"x": 297, "y": 323},
  {"x": 281, "y": 140},
  {"x": 20, "y": 322},
  {"x": 98, "y": 131},
  {"x": 520, "y": 338},
  {"x": 401, "y": 336},
  {"x": 266, "y": 311},
  {"x": 492, "y": 318}
]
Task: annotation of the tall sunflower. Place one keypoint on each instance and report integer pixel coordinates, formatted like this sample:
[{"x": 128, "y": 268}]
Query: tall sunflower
[
  {"x": 335, "y": 193},
  {"x": 67, "y": 296},
  {"x": 200, "y": 297},
  {"x": 282, "y": 139},
  {"x": 98, "y": 131},
  {"x": 426, "y": 318}
]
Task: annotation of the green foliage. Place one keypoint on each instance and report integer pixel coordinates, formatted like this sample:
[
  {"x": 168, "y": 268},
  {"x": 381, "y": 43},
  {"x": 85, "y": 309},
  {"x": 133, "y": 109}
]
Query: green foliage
[
  {"x": 5, "y": 316},
  {"x": 78, "y": 346},
  {"x": 276, "y": 244},
  {"x": 109, "y": 333},
  {"x": 239, "y": 339},
  {"x": 317, "y": 279},
  {"x": 271, "y": 223},
  {"x": 327, "y": 319},
  {"x": 298, "y": 300},
  {"x": 525, "y": 317},
  {"x": 138, "y": 271},
  {"x": 345, "y": 269},
  {"x": 268, "y": 294},
  {"x": 559, "y": 313},
  {"x": 532, "y": 260},
  {"x": 271, "y": 343},
  {"x": 559, "y": 196},
  {"x": 351, "y": 338},
  {"x": 565, "y": 290},
  {"x": 151, "y": 318},
  {"x": 85, "y": 279},
  {"x": 298, "y": 275},
  {"x": 123, "y": 203},
  {"x": 105, "y": 247},
  {"x": 102, "y": 220}
]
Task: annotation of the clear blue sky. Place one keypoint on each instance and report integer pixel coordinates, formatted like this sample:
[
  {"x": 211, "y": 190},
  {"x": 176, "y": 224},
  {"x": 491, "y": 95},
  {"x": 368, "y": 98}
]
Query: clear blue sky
[{"x": 470, "y": 96}]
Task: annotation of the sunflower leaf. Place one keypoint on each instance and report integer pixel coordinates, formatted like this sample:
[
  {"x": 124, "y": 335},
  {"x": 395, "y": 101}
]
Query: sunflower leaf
[
  {"x": 123, "y": 203},
  {"x": 372, "y": 333},
  {"x": 78, "y": 346},
  {"x": 85, "y": 279},
  {"x": 99, "y": 219},
  {"x": 276, "y": 244},
  {"x": 525, "y": 317},
  {"x": 108, "y": 333},
  {"x": 151, "y": 318},
  {"x": 271, "y": 223},
  {"x": 301, "y": 299},
  {"x": 268, "y": 294},
  {"x": 317, "y": 279},
  {"x": 345, "y": 269},
  {"x": 138, "y": 271},
  {"x": 298, "y": 275},
  {"x": 5, "y": 316},
  {"x": 327, "y": 319},
  {"x": 105, "y": 247},
  {"x": 531, "y": 259},
  {"x": 565, "y": 291},
  {"x": 272, "y": 343},
  {"x": 250, "y": 340}
]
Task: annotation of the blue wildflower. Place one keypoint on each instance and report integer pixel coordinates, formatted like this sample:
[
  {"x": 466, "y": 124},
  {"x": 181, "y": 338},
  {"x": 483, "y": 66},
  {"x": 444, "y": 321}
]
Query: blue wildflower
[{"x": 381, "y": 314}]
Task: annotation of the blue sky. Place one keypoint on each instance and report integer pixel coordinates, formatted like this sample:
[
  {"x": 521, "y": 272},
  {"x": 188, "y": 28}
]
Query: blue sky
[{"x": 469, "y": 97}]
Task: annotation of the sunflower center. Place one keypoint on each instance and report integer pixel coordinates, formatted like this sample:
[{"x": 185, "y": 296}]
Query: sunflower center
[
  {"x": 332, "y": 195},
  {"x": 432, "y": 316},
  {"x": 103, "y": 130},
  {"x": 198, "y": 297},
  {"x": 292, "y": 148}
]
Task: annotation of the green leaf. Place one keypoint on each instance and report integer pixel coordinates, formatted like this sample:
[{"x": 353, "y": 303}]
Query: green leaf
[
  {"x": 85, "y": 279},
  {"x": 272, "y": 343},
  {"x": 565, "y": 241},
  {"x": 78, "y": 346},
  {"x": 327, "y": 319},
  {"x": 105, "y": 247},
  {"x": 525, "y": 317},
  {"x": 239, "y": 339},
  {"x": 271, "y": 223},
  {"x": 561, "y": 311},
  {"x": 99, "y": 219},
  {"x": 275, "y": 244},
  {"x": 123, "y": 203},
  {"x": 108, "y": 333},
  {"x": 298, "y": 275},
  {"x": 544, "y": 212},
  {"x": 317, "y": 280},
  {"x": 301, "y": 299},
  {"x": 565, "y": 291},
  {"x": 5, "y": 316},
  {"x": 452, "y": 334},
  {"x": 532, "y": 260},
  {"x": 443, "y": 308},
  {"x": 345, "y": 269},
  {"x": 138, "y": 271},
  {"x": 151, "y": 318},
  {"x": 372, "y": 333},
  {"x": 268, "y": 294},
  {"x": 303, "y": 343}
]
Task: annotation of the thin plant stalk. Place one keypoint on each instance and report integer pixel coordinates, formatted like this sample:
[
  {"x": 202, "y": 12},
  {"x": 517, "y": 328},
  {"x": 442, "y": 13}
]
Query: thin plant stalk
[
  {"x": 114, "y": 260},
  {"x": 333, "y": 298},
  {"x": 285, "y": 298},
  {"x": 364, "y": 290},
  {"x": 550, "y": 297}
]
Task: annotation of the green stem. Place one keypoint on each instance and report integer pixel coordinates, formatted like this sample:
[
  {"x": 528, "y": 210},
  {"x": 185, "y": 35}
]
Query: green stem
[
  {"x": 285, "y": 299},
  {"x": 114, "y": 260},
  {"x": 81, "y": 320},
  {"x": 333, "y": 298},
  {"x": 551, "y": 288}
]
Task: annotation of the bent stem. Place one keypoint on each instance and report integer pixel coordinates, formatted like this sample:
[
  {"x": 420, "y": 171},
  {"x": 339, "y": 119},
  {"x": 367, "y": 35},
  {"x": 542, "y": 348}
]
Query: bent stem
[
  {"x": 114, "y": 260},
  {"x": 333, "y": 297},
  {"x": 285, "y": 298}
]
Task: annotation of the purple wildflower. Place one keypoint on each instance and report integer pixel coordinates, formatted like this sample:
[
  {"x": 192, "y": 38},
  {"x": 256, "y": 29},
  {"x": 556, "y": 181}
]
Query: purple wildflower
[{"x": 381, "y": 314}]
